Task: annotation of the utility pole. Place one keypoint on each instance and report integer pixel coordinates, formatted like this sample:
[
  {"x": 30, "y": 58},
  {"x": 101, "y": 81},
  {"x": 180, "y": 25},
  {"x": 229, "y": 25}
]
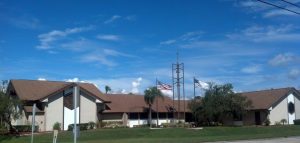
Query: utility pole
[{"x": 178, "y": 68}]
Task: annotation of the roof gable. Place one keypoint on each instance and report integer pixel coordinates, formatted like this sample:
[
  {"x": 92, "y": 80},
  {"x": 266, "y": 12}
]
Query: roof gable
[
  {"x": 38, "y": 90},
  {"x": 265, "y": 99}
]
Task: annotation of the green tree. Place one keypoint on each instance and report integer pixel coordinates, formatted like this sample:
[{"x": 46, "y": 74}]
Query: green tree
[
  {"x": 149, "y": 97},
  {"x": 196, "y": 108},
  {"x": 9, "y": 109},
  {"x": 107, "y": 89},
  {"x": 219, "y": 102}
]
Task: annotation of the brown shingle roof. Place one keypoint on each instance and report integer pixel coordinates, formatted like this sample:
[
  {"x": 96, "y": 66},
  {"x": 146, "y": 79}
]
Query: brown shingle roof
[
  {"x": 135, "y": 103},
  {"x": 37, "y": 90},
  {"x": 265, "y": 99}
]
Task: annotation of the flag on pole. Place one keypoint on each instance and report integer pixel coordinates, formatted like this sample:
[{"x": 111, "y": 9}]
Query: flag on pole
[
  {"x": 201, "y": 84},
  {"x": 163, "y": 86}
]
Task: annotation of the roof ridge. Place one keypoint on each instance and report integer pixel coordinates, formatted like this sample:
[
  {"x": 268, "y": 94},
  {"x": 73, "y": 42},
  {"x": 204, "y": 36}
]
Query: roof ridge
[
  {"x": 268, "y": 89},
  {"x": 49, "y": 81}
]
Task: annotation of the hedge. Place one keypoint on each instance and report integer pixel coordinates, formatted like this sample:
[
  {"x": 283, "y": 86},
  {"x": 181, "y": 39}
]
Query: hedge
[
  {"x": 297, "y": 122},
  {"x": 25, "y": 128},
  {"x": 82, "y": 126}
]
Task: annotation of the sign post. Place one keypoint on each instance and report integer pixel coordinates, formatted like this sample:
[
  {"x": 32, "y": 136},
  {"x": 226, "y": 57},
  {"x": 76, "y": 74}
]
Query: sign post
[
  {"x": 33, "y": 121},
  {"x": 75, "y": 130},
  {"x": 55, "y": 133}
]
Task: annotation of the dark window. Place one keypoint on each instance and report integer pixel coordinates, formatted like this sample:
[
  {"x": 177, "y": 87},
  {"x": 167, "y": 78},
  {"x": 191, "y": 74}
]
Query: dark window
[
  {"x": 162, "y": 115},
  {"x": 143, "y": 116},
  {"x": 291, "y": 108},
  {"x": 170, "y": 115},
  {"x": 133, "y": 116},
  {"x": 154, "y": 115}
]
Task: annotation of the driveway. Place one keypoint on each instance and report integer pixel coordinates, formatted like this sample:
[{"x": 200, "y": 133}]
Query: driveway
[{"x": 274, "y": 140}]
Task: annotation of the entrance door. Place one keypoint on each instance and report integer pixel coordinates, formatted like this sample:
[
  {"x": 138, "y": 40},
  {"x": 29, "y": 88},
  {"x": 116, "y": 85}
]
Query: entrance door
[{"x": 257, "y": 118}]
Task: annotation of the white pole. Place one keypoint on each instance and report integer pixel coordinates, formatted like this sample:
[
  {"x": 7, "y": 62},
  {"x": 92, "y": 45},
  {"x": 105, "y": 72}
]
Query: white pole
[
  {"x": 33, "y": 122},
  {"x": 75, "y": 93}
]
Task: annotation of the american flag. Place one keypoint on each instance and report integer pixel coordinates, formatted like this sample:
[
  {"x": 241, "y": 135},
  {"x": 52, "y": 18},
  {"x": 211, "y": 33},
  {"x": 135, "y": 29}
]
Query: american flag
[
  {"x": 162, "y": 86},
  {"x": 201, "y": 84}
]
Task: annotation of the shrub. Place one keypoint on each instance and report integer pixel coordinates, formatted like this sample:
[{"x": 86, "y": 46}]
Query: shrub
[
  {"x": 297, "y": 122},
  {"x": 267, "y": 122},
  {"x": 82, "y": 126},
  {"x": 283, "y": 121},
  {"x": 91, "y": 125},
  {"x": 56, "y": 126},
  {"x": 277, "y": 123},
  {"x": 113, "y": 124},
  {"x": 25, "y": 128}
]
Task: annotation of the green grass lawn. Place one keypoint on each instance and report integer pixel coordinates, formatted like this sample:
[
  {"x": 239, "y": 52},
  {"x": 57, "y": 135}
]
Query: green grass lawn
[{"x": 171, "y": 135}]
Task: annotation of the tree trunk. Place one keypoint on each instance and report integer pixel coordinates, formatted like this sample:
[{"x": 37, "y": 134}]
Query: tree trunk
[{"x": 150, "y": 114}]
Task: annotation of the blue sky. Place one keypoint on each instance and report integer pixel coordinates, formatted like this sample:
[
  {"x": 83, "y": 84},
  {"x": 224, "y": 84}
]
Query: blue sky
[{"x": 127, "y": 44}]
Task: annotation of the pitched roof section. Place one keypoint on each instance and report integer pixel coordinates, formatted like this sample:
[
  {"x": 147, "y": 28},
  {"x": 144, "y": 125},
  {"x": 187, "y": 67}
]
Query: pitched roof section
[
  {"x": 121, "y": 103},
  {"x": 265, "y": 99},
  {"x": 37, "y": 90}
]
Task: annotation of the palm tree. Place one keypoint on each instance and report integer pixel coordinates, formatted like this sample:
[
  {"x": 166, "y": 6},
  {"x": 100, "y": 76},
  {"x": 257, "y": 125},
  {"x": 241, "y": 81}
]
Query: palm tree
[
  {"x": 107, "y": 89},
  {"x": 149, "y": 97}
]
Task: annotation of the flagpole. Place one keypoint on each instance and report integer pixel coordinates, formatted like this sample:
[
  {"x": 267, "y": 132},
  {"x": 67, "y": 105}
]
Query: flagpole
[{"x": 194, "y": 88}]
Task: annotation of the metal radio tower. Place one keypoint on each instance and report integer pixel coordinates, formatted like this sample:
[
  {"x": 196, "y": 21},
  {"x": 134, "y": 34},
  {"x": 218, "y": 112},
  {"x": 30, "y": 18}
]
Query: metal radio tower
[{"x": 178, "y": 80}]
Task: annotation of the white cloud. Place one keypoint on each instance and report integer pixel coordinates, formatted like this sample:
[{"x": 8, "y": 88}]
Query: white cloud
[
  {"x": 273, "y": 13},
  {"x": 168, "y": 93},
  {"x": 268, "y": 11},
  {"x": 112, "y": 19},
  {"x": 24, "y": 22},
  {"x": 109, "y": 37},
  {"x": 294, "y": 74},
  {"x": 130, "y": 17},
  {"x": 187, "y": 37},
  {"x": 75, "y": 79},
  {"x": 135, "y": 85},
  {"x": 123, "y": 85},
  {"x": 283, "y": 33},
  {"x": 102, "y": 56},
  {"x": 118, "y": 17},
  {"x": 47, "y": 39},
  {"x": 98, "y": 57},
  {"x": 282, "y": 59},
  {"x": 41, "y": 79},
  {"x": 251, "y": 69},
  {"x": 168, "y": 42}
]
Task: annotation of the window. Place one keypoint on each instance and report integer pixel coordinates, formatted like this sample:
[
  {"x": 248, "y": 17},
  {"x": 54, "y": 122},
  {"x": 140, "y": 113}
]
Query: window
[{"x": 291, "y": 108}]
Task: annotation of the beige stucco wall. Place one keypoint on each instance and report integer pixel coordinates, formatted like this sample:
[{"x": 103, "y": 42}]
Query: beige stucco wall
[
  {"x": 87, "y": 109},
  {"x": 297, "y": 107},
  {"x": 54, "y": 111},
  {"x": 39, "y": 120},
  {"x": 279, "y": 112}
]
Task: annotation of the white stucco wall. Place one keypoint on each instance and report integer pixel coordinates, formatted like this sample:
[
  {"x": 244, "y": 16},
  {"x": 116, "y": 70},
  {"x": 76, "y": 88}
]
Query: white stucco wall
[
  {"x": 279, "y": 112},
  {"x": 132, "y": 123},
  {"x": 69, "y": 117},
  {"x": 88, "y": 109},
  {"x": 54, "y": 111}
]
